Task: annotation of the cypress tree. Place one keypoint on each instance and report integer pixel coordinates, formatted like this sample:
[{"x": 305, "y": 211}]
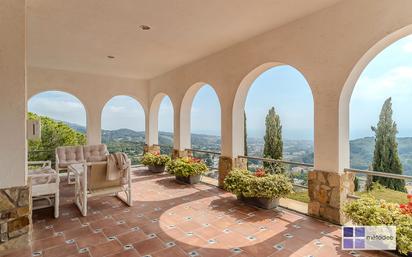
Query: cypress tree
[
  {"x": 273, "y": 147},
  {"x": 385, "y": 157}
]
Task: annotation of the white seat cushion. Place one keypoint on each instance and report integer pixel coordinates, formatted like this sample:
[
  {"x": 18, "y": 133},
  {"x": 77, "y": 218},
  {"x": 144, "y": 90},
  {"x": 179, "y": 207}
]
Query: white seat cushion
[
  {"x": 48, "y": 175},
  {"x": 95, "y": 153},
  {"x": 69, "y": 155}
]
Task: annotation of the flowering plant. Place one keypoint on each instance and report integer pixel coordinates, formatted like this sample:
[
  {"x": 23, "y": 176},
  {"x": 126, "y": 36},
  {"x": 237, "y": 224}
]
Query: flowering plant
[
  {"x": 186, "y": 166},
  {"x": 155, "y": 159},
  {"x": 407, "y": 208},
  {"x": 260, "y": 172},
  {"x": 369, "y": 211},
  {"x": 244, "y": 183}
]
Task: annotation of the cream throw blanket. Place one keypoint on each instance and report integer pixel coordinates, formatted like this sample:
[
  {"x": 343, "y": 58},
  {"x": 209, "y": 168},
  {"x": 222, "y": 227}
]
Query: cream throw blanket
[{"x": 116, "y": 166}]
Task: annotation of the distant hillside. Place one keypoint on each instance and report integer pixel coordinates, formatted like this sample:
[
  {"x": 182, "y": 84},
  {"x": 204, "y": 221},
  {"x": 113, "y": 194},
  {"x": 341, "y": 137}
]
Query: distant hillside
[
  {"x": 362, "y": 153},
  {"x": 296, "y": 150},
  {"x": 77, "y": 127},
  {"x": 165, "y": 138}
]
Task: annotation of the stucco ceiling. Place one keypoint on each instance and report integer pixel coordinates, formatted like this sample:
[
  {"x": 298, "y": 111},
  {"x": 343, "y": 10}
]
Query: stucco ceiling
[{"x": 78, "y": 35}]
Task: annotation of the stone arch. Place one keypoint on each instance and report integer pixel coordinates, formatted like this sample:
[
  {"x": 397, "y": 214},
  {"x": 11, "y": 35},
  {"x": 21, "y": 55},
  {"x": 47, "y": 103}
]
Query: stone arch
[
  {"x": 239, "y": 105},
  {"x": 185, "y": 113},
  {"x": 154, "y": 118},
  {"x": 347, "y": 90}
]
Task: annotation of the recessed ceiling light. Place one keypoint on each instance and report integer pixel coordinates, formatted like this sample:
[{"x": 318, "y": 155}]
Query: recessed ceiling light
[
  {"x": 144, "y": 27},
  {"x": 110, "y": 56}
]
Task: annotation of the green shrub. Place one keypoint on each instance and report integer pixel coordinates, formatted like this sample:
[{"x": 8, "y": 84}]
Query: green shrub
[
  {"x": 186, "y": 166},
  {"x": 368, "y": 211},
  {"x": 243, "y": 183},
  {"x": 150, "y": 159}
]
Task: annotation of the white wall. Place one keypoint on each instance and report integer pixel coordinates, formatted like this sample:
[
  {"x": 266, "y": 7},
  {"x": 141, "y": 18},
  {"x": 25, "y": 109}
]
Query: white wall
[
  {"x": 12, "y": 93},
  {"x": 324, "y": 46},
  {"x": 94, "y": 91}
]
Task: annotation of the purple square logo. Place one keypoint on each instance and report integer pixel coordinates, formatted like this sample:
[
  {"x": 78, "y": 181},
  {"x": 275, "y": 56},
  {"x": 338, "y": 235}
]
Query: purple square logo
[
  {"x": 360, "y": 231},
  {"x": 360, "y": 243},
  {"x": 348, "y": 232},
  {"x": 348, "y": 243}
]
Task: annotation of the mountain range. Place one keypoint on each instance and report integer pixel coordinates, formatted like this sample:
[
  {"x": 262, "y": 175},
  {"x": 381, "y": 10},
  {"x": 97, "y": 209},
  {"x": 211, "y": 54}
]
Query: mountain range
[{"x": 361, "y": 149}]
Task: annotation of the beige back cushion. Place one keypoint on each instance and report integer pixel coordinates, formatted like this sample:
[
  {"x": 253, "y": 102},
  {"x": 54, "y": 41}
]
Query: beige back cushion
[
  {"x": 70, "y": 154},
  {"x": 96, "y": 177},
  {"x": 95, "y": 153}
]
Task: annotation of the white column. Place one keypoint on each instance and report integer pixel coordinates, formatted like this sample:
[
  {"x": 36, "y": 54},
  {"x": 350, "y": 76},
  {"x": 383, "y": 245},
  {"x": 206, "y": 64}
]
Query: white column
[
  {"x": 176, "y": 127},
  {"x": 226, "y": 131},
  {"x": 329, "y": 148},
  {"x": 13, "y": 93},
  {"x": 94, "y": 124}
]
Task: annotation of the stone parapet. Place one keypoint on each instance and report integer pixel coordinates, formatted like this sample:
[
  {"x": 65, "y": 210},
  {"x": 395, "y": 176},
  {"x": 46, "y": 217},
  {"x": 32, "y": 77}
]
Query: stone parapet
[
  {"x": 226, "y": 164},
  {"x": 151, "y": 149},
  {"x": 15, "y": 217},
  {"x": 328, "y": 193},
  {"x": 181, "y": 153}
]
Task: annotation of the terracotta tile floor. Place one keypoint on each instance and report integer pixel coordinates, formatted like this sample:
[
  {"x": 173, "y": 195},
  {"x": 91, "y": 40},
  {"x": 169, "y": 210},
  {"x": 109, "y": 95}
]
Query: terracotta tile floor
[{"x": 170, "y": 219}]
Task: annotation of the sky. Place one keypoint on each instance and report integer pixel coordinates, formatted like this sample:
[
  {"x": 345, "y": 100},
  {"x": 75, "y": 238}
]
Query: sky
[
  {"x": 284, "y": 88},
  {"x": 389, "y": 74},
  {"x": 59, "y": 106},
  {"x": 123, "y": 112},
  {"x": 205, "y": 114}
]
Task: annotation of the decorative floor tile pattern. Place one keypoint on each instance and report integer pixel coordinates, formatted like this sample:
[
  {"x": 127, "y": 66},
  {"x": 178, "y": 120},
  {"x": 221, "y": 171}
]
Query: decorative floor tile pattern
[{"x": 171, "y": 219}]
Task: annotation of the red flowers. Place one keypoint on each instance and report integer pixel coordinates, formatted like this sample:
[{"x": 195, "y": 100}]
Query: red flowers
[
  {"x": 407, "y": 208},
  {"x": 260, "y": 172},
  {"x": 197, "y": 160}
]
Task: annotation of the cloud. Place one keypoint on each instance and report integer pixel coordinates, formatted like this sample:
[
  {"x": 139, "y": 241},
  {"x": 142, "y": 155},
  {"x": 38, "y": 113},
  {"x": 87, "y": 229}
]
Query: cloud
[
  {"x": 61, "y": 109},
  {"x": 396, "y": 82}
]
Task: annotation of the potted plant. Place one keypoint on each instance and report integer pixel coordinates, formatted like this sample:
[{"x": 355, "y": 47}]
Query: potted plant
[
  {"x": 156, "y": 162},
  {"x": 368, "y": 211},
  {"x": 187, "y": 169},
  {"x": 260, "y": 189}
]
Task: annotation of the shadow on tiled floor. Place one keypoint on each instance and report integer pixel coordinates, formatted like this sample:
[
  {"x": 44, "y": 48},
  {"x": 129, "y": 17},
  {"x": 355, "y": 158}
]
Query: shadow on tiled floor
[{"x": 170, "y": 219}]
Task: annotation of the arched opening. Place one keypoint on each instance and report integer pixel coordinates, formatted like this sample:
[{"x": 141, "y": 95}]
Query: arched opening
[
  {"x": 379, "y": 98},
  {"x": 201, "y": 125},
  {"x": 161, "y": 123},
  {"x": 123, "y": 126},
  {"x": 282, "y": 93},
  {"x": 63, "y": 122}
]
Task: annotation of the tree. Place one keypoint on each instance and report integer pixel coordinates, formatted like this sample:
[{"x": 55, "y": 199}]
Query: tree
[
  {"x": 53, "y": 134},
  {"x": 385, "y": 157},
  {"x": 273, "y": 147},
  {"x": 356, "y": 183}
]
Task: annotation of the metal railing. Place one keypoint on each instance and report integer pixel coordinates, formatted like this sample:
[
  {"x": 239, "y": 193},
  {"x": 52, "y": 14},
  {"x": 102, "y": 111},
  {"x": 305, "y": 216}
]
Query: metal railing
[
  {"x": 166, "y": 149},
  {"x": 42, "y": 155},
  {"x": 211, "y": 159},
  {"x": 376, "y": 174},
  {"x": 292, "y": 163}
]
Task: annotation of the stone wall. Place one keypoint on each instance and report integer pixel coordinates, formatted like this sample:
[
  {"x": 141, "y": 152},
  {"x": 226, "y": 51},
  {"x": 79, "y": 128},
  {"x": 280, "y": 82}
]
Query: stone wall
[
  {"x": 181, "y": 153},
  {"x": 15, "y": 217},
  {"x": 151, "y": 149},
  {"x": 226, "y": 164},
  {"x": 328, "y": 193}
]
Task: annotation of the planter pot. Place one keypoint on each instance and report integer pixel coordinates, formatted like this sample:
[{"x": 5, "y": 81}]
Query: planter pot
[
  {"x": 157, "y": 169},
  {"x": 265, "y": 203},
  {"x": 193, "y": 179}
]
